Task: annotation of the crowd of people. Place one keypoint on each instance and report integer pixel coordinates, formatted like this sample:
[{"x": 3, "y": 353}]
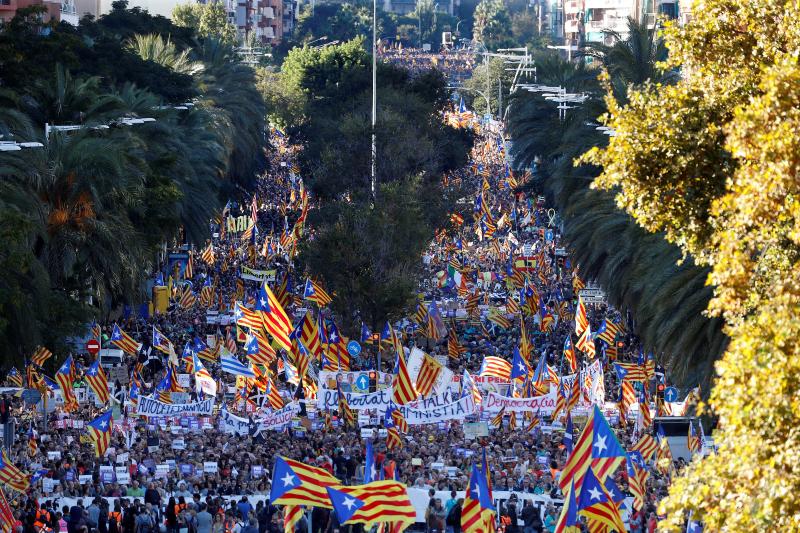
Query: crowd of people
[
  {"x": 455, "y": 63},
  {"x": 471, "y": 270}
]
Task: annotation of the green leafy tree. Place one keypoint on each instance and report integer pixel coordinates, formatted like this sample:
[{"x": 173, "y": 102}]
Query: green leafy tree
[
  {"x": 214, "y": 24},
  {"x": 492, "y": 24},
  {"x": 712, "y": 162},
  {"x": 372, "y": 268},
  {"x": 638, "y": 270},
  {"x": 187, "y": 15}
]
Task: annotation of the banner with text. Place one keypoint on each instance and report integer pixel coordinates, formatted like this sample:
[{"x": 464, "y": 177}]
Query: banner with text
[
  {"x": 256, "y": 275},
  {"x": 241, "y": 426},
  {"x": 544, "y": 404},
  {"x": 152, "y": 407}
]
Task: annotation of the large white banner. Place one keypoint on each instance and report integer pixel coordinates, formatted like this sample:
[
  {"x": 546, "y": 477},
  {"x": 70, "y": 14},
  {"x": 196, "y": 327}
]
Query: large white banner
[
  {"x": 544, "y": 404},
  {"x": 151, "y": 407},
  {"x": 241, "y": 426},
  {"x": 329, "y": 399},
  {"x": 422, "y": 412}
]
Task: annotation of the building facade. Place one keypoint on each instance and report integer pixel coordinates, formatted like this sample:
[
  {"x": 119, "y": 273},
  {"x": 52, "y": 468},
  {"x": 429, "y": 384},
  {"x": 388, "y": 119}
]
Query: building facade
[
  {"x": 58, "y": 10},
  {"x": 587, "y": 21}
]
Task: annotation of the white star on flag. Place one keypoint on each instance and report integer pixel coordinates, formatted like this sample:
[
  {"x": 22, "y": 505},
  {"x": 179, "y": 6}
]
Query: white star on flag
[
  {"x": 288, "y": 479},
  {"x": 600, "y": 444}
]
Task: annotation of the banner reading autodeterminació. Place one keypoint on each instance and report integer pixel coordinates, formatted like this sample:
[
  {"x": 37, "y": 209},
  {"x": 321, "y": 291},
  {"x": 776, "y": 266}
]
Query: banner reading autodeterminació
[{"x": 152, "y": 407}]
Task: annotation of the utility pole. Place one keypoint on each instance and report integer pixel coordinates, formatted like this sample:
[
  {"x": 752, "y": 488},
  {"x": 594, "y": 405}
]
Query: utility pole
[{"x": 374, "y": 95}]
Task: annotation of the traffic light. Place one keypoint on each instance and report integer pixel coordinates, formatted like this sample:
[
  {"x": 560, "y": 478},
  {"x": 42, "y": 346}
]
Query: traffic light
[{"x": 373, "y": 381}]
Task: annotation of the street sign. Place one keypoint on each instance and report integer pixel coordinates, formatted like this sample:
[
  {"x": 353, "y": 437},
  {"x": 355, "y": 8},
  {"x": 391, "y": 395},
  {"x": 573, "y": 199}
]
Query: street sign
[
  {"x": 592, "y": 296},
  {"x": 670, "y": 394},
  {"x": 353, "y": 348},
  {"x": 92, "y": 346}
]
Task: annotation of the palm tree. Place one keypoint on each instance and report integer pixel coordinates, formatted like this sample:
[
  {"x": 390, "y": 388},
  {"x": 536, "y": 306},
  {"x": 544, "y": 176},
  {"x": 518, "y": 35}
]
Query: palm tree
[
  {"x": 632, "y": 60},
  {"x": 67, "y": 100},
  {"x": 229, "y": 90},
  {"x": 154, "y": 47},
  {"x": 639, "y": 271}
]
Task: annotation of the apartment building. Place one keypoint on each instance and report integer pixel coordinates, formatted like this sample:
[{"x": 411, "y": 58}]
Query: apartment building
[
  {"x": 266, "y": 20},
  {"x": 592, "y": 20},
  {"x": 58, "y": 10}
]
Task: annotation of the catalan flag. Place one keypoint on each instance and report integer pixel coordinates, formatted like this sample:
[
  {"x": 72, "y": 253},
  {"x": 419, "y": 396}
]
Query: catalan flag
[
  {"x": 403, "y": 388},
  {"x": 394, "y": 418},
  {"x": 246, "y": 317},
  {"x": 468, "y": 387},
  {"x": 454, "y": 348},
  {"x": 207, "y": 255},
  {"x": 259, "y": 350},
  {"x": 569, "y": 355},
  {"x": 14, "y": 377},
  {"x": 420, "y": 315},
  {"x": 626, "y": 400},
  {"x": 637, "y": 482},
  {"x": 7, "y": 519},
  {"x": 296, "y": 483},
  {"x": 581, "y": 319},
  {"x": 33, "y": 446},
  {"x": 495, "y": 367},
  {"x": 495, "y": 316},
  {"x": 597, "y": 447},
  {"x": 314, "y": 292},
  {"x": 203, "y": 382},
  {"x": 40, "y": 355},
  {"x": 630, "y": 372},
  {"x": 96, "y": 377},
  {"x": 285, "y": 291},
  {"x": 519, "y": 367},
  {"x": 123, "y": 341},
  {"x": 692, "y": 440},
  {"x": 646, "y": 446},
  {"x": 585, "y": 343},
  {"x": 65, "y": 378},
  {"x": 608, "y": 332},
  {"x": 100, "y": 432},
  {"x": 12, "y": 476},
  {"x": 309, "y": 335},
  {"x": 161, "y": 343},
  {"x": 497, "y": 420},
  {"x": 372, "y": 503},
  {"x": 274, "y": 318},
  {"x": 429, "y": 373},
  {"x": 188, "y": 298},
  {"x": 273, "y": 394},
  {"x": 597, "y": 505},
  {"x": 291, "y": 516},
  {"x": 568, "y": 519},
  {"x": 478, "y": 510}
]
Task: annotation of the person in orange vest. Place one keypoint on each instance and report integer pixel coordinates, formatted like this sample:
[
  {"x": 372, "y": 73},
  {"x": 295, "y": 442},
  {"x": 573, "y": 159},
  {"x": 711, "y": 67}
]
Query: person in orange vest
[
  {"x": 41, "y": 522},
  {"x": 115, "y": 519}
]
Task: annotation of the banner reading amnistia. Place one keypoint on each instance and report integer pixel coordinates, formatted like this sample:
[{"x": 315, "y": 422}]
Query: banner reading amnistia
[{"x": 152, "y": 407}]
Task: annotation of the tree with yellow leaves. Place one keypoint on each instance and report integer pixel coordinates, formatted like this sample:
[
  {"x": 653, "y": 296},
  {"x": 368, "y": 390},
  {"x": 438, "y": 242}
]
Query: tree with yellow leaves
[{"x": 714, "y": 162}]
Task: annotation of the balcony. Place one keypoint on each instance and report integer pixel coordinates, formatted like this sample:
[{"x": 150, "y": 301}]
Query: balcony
[
  {"x": 608, "y": 4},
  {"x": 572, "y": 26},
  {"x": 572, "y": 7}
]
